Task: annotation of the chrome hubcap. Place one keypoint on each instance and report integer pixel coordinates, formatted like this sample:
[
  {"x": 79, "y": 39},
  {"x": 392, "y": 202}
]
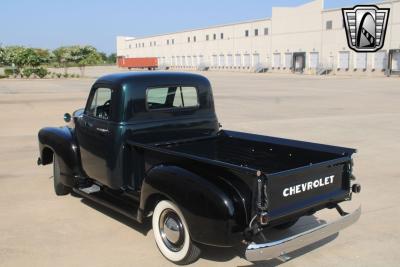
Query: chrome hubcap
[{"x": 171, "y": 230}]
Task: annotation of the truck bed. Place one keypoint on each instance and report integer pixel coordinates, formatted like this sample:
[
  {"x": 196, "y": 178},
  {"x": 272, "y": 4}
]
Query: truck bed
[
  {"x": 301, "y": 177},
  {"x": 267, "y": 154}
]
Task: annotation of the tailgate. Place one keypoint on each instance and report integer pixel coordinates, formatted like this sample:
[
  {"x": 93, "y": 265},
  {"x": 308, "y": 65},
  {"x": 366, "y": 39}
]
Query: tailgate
[{"x": 304, "y": 188}]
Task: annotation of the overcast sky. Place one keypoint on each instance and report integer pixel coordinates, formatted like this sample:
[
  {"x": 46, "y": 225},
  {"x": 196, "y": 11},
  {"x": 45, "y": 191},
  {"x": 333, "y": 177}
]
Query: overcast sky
[{"x": 53, "y": 23}]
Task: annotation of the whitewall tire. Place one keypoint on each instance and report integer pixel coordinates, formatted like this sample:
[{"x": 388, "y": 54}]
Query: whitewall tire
[
  {"x": 59, "y": 188},
  {"x": 172, "y": 235}
]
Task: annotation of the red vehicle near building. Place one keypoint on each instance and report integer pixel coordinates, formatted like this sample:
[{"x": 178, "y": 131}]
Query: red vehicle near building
[{"x": 149, "y": 63}]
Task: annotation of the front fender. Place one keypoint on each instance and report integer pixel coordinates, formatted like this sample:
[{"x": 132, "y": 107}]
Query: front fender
[
  {"x": 62, "y": 142},
  {"x": 213, "y": 209}
]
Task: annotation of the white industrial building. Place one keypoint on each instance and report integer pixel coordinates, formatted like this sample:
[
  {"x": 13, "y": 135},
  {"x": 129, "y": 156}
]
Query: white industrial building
[{"x": 308, "y": 38}]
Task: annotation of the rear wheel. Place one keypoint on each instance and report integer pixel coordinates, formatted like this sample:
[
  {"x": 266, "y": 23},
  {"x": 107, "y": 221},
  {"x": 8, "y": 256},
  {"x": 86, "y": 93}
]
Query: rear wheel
[
  {"x": 172, "y": 235},
  {"x": 59, "y": 187},
  {"x": 286, "y": 225}
]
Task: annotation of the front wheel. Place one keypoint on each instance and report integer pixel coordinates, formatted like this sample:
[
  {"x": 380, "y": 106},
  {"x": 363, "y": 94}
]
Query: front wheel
[
  {"x": 59, "y": 188},
  {"x": 172, "y": 235}
]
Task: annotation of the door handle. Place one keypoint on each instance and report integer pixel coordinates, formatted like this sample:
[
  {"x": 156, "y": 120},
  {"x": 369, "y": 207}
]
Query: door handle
[{"x": 102, "y": 130}]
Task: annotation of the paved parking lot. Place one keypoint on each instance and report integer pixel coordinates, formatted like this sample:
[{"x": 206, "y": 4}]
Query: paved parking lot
[{"x": 39, "y": 229}]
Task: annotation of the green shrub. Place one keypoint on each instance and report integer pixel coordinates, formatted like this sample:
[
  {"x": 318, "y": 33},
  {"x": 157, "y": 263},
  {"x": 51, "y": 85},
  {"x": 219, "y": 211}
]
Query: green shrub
[
  {"x": 9, "y": 72},
  {"x": 65, "y": 75},
  {"x": 41, "y": 72},
  {"x": 77, "y": 75},
  {"x": 58, "y": 75},
  {"x": 3, "y": 76},
  {"x": 72, "y": 75},
  {"x": 27, "y": 72}
]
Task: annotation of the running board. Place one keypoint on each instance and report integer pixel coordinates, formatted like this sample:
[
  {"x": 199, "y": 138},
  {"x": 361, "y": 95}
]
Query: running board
[{"x": 112, "y": 202}]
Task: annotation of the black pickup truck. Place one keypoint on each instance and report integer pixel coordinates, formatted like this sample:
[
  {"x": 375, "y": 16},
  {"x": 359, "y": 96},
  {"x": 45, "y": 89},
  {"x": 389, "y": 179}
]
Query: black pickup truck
[{"x": 150, "y": 145}]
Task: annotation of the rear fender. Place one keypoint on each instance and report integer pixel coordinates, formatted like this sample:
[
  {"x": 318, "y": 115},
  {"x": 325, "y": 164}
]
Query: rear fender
[
  {"x": 62, "y": 142},
  {"x": 212, "y": 208}
]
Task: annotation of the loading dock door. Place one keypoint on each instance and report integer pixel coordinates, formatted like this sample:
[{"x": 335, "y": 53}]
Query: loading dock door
[
  {"x": 230, "y": 60},
  {"x": 238, "y": 60},
  {"x": 394, "y": 61},
  {"x": 256, "y": 59},
  {"x": 314, "y": 58},
  {"x": 215, "y": 60},
  {"x": 299, "y": 61},
  {"x": 201, "y": 59},
  {"x": 344, "y": 57},
  {"x": 247, "y": 60},
  {"x": 195, "y": 61},
  {"x": 277, "y": 60},
  {"x": 380, "y": 60},
  {"x": 288, "y": 60},
  {"x": 222, "y": 60},
  {"x": 361, "y": 62}
]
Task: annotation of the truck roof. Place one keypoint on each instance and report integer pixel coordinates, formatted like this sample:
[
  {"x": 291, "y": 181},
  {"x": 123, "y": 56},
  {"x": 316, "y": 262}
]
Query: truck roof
[{"x": 155, "y": 78}]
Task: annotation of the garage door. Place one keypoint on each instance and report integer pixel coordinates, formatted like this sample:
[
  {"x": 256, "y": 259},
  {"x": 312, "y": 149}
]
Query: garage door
[
  {"x": 361, "y": 61},
  {"x": 344, "y": 58},
  {"x": 247, "y": 60},
  {"x": 314, "y": 59},
  {"x": 277, "y": 60},
  {"x": 229, "y": 60},
  {"x": 380, "y": 60},
  {"x": 256, "y": 59},
  {"x": 396, "y": 61},
  {"x": 288, "y": 60},
  {"x": 238, "y": 60}
]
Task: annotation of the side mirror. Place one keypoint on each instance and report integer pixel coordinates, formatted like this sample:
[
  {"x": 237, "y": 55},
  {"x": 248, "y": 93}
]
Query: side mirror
[{"x": 67, "y": 117}]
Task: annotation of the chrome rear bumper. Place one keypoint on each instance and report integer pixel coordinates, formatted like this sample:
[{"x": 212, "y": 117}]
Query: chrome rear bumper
[{"x": 275, "y": 249}]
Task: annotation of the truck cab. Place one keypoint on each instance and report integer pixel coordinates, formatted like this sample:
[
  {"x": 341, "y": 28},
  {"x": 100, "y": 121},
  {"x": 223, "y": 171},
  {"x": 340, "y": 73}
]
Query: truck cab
[{"x": 149, "y": 144}]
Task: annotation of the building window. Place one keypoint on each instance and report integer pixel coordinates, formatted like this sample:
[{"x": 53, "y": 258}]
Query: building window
[
  {"x": 194, "y": 38},
  {"x": 207, "y": 37},
  {"x": 246, "y": 33},
  {"x": 222, "y": 35},
  {"x": 215, "y": 36},
  {"x": 188, "y": 39},
  {"x": 151, "y": 43},
  {"x": 136, "y": 45},
  {"x": 329, "y": 25},
  {"x": 173, "y": 41},
  {"x": 142, "y": 44},
  {"x": 266, "y": 31},
  {"x": 167, "y": 42},
  {"x": 155, "y": 43},
  {"x": 130, "y": 46},
  {"x": 256, "y": 32}
]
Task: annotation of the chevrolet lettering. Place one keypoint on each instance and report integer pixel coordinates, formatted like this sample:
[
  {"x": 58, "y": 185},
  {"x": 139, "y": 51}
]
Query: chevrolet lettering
[
  {"x": 307, "y": 186},
  {"x": 149, "y": 146}
]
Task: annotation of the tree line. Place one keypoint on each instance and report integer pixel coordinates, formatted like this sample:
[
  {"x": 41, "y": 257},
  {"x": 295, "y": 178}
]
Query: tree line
[{"x": 26, "y": 61}]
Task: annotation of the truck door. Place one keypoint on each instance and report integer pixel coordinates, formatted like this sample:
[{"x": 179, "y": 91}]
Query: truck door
[{"x": 94, "y": 134}]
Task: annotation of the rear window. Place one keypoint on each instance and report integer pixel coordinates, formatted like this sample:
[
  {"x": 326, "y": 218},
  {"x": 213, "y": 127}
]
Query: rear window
[{"x": 172, "y": 97}]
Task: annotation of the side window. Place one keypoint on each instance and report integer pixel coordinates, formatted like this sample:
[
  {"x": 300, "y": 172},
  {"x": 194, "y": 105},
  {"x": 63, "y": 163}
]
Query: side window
[
  {"x": 100, "y": 105},
  {"x": 172, "y": 97}
]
